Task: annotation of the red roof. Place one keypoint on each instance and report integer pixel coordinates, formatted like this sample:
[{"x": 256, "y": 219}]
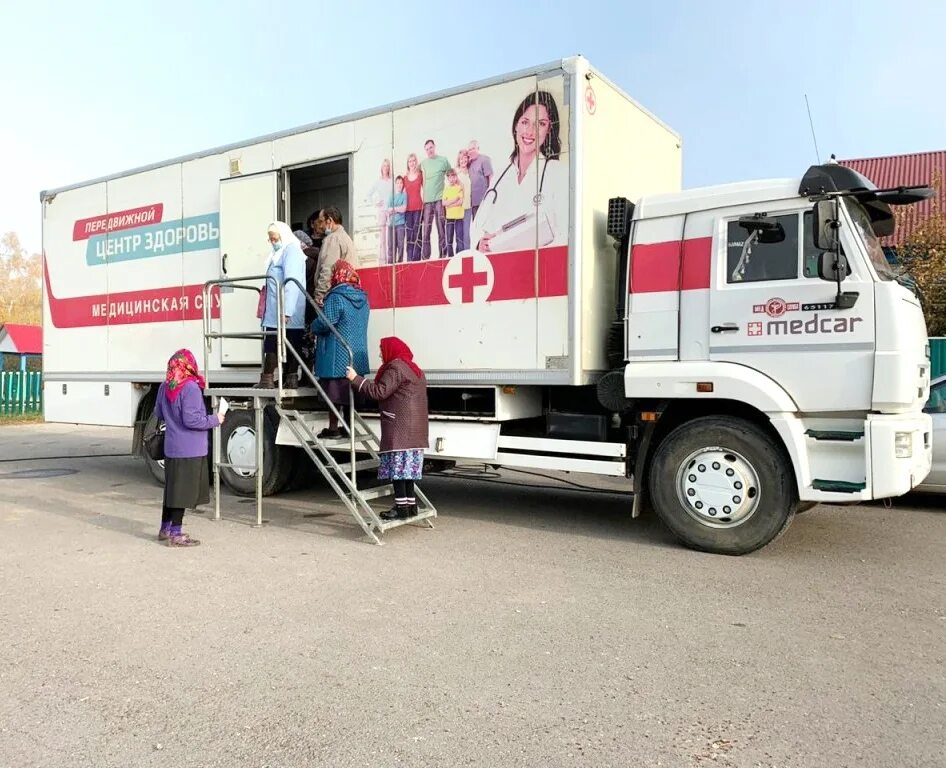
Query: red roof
[
  {"x": 28, "y": 339},
  {"x": 902, "y": 171}
]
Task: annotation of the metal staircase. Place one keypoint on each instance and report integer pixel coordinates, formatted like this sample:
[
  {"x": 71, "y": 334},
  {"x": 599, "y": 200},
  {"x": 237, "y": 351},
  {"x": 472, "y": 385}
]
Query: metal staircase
[
  {"x": 342, "y": 477},
  {"x": 361, "y": 444}
]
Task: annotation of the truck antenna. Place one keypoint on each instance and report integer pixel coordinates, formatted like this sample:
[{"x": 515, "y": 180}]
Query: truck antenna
[{"x": 812, "y": 124}]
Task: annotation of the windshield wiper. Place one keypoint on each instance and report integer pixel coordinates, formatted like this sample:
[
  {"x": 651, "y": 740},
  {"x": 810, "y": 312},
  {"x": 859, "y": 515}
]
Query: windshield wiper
[{"x": 904, "y": 279}]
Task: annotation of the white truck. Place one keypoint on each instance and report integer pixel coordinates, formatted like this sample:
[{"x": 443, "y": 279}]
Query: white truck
[{"x": 739, "y": 353}]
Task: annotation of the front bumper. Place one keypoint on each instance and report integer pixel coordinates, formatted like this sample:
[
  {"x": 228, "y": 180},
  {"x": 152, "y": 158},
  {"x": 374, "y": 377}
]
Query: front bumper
[{"x": 889, "y": 475}]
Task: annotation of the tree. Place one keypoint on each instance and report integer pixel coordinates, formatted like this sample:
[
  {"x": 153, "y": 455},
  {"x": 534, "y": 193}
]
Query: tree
[
  {"x": 922, "y": 255},
  {"x": 21, "y": 274}
]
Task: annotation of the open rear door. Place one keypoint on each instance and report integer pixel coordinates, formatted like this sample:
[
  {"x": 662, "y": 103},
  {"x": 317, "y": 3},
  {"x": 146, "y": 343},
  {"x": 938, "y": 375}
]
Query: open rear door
[{"x": 248, "y": 205}]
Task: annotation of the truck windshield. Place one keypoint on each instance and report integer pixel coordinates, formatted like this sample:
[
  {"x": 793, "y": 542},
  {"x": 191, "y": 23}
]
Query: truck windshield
[{"x": 871, "y": 242}]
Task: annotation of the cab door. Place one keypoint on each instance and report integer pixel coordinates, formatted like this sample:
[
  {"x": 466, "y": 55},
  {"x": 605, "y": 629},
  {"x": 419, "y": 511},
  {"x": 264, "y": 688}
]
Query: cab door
[
  {"x": 248, "y": 205},
  {"x": 769, "y": 311}
]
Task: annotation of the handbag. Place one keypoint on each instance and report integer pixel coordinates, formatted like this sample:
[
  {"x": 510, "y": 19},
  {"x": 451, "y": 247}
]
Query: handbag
[
  {"x": 261, "y": 306},
  {"x": 154, "y": 441}
]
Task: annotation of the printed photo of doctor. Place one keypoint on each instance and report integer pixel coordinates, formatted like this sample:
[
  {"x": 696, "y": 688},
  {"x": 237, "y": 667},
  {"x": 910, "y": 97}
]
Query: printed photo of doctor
[
  {"x": 527, "y": 204},
  {"x": 511, "y": 148}
]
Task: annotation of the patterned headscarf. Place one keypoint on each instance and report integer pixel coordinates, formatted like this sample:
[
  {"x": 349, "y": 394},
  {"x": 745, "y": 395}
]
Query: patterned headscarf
[
  {"x": 344, "y": 272},
  {"x": 392, "y": 348},
  {"x": 182, "y": 367}
]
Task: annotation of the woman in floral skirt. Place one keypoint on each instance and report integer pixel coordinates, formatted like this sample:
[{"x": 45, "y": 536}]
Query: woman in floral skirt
[{"x": 400, "y": 388}]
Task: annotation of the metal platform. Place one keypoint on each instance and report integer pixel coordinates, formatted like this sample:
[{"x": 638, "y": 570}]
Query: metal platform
[{"x": 268, "y": 393}]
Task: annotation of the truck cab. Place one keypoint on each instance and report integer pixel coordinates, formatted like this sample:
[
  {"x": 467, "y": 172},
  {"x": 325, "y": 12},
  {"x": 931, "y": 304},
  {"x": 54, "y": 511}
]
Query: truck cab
[{"x": 777, "y": 358}]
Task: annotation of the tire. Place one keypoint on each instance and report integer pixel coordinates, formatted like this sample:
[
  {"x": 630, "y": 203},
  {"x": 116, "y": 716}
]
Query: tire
[
  {"x": 721, "y": 485},
  {"x": 156, "y": 468},
  {"x": 237, "y": 442},
  {"x": 438, "y": 465}
]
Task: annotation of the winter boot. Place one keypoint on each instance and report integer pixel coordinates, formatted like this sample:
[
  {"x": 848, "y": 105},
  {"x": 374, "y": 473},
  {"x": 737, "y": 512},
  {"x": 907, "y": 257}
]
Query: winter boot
[{"x": 266, "y": 377}]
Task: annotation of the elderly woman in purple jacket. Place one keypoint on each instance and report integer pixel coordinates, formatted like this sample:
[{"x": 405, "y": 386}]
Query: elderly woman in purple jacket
[{"x": 180, "y": 405}]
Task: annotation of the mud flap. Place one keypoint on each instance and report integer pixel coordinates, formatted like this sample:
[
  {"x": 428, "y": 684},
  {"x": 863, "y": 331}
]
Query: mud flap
[{"x": 643, "y": 433}]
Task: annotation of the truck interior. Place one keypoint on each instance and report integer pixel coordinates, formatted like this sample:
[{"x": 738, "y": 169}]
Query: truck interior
[{"x": 318, "y": 185}]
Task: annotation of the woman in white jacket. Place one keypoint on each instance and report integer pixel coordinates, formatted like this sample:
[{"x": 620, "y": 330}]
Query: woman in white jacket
[
  {"x": 285, "y": 262},
  {"x": 527, "y": 205}
]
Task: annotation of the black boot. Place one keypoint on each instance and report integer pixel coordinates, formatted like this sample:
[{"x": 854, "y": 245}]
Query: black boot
[
  {"x": 266, "y": 377},
  {"x": 397, "y": 512}
]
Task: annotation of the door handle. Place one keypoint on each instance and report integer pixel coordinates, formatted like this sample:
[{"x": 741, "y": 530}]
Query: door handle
[
  {"x": 724, "y": 328},
  {"x": 223, "y": 263}
]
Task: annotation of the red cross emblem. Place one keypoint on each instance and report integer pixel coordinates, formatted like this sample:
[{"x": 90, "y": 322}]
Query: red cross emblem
[
  {"x": 590, "y": 101},
  {"x": 468, "y": 279}
]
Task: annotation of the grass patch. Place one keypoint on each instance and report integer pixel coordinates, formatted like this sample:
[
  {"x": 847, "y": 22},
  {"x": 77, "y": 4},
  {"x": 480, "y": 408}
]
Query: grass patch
[{"x": 20, "y": 418}]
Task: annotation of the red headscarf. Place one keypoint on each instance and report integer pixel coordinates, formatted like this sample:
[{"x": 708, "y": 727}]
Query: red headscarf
[
  {"x": 182, "y": 367},
  {"x": 392, "y": 348},
  {"x": 343, "y": 272}
]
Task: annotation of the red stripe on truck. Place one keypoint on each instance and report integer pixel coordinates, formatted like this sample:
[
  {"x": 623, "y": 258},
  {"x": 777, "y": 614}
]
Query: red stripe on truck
[
  {"x": 655, "y": 267},
  {"x": 421, "y": 283},
  {"x": 516, "y": 275},
  {"x": 158, "y": 305}
]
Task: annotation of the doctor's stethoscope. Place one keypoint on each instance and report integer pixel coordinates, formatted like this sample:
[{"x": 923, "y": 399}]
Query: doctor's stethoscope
[{"x": 537, "y": 200}]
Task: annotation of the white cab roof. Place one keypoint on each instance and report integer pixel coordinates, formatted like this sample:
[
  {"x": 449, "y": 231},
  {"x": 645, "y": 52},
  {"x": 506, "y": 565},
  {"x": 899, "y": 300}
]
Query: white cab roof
[{"x": 719, "y": 196}]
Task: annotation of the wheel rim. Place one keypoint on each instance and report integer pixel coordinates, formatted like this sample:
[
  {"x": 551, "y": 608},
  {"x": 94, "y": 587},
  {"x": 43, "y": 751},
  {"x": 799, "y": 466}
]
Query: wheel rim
[
  {"x": 718, "y": 487},
  {"x": 241, "y": 451}
]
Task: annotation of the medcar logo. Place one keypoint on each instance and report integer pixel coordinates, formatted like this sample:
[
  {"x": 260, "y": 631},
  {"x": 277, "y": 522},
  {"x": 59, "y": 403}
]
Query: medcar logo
[{"x": 816, "y": 325}]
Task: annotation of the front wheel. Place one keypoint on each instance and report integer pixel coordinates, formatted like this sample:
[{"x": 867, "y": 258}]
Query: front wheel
[{"x": 722, "y": 485}]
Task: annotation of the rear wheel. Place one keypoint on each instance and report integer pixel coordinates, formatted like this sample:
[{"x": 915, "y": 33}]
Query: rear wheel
[
  {"x": 722, "y": 485},
  {"x": 238, "y": 447}
]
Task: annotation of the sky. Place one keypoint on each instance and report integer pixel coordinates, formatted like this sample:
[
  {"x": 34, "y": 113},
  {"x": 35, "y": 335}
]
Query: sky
[{"x": 95, "y": 88}]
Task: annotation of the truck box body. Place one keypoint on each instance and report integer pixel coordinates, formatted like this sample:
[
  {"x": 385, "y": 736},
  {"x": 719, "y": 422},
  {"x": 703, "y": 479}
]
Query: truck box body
[{"x": 126, "y": 257}]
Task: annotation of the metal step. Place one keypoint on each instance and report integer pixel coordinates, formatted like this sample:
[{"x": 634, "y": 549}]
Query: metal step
[
  {"x": 838, "y": 435},
  {"x": 376, "y": 493},
  {"x": 425, "y": 514},
  {"x": 360, "y": 465},
  {"x": 338, "y": 446},
  {"x": 344, "y": 442},
  {"x": 838, "y": 486},
  {"x": 360, "y": 437}
]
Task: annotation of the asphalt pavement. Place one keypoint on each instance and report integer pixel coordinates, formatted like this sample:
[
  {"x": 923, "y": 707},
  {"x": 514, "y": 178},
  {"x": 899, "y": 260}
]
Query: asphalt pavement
[{"x": 535, "y": 625}]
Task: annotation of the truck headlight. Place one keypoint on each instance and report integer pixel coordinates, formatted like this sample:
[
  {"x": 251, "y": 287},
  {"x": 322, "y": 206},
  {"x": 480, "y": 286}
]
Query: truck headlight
[{"x": 903, "y": 445}]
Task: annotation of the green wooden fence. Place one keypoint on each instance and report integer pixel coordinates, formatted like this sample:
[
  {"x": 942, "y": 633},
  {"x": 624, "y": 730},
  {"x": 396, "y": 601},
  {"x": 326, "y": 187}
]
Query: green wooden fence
[
  {"x": 937, "y": 356},
  {"x": 21, "y": 392}
]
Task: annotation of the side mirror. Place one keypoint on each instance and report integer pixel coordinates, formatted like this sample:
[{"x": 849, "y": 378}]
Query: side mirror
[
  {"x": 825, "y": 227},
  {"x": 832, "y": 266}
]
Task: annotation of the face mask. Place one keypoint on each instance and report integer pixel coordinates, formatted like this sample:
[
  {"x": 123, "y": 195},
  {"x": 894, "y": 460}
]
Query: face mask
[
  {"x": 328, "y": 229},
  {"x": 276, "y": 246}
]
